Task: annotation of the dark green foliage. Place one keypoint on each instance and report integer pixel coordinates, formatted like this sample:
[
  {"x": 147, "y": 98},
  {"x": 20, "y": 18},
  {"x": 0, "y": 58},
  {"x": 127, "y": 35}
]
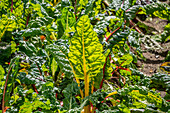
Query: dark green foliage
[
  {"x": 160, "y": 82},
  {"x": 142, "y": 98},
  {"x": 60, "y": 52},
  {"x": 5, "y": 51},
  {"x": 70, "y": 93},
  {"x": 36, "y": 38},
  {"x": 96, "y": 99}
]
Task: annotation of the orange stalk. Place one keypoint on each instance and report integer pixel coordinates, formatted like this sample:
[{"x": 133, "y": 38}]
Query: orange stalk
[{"x": 92, "y": 88}]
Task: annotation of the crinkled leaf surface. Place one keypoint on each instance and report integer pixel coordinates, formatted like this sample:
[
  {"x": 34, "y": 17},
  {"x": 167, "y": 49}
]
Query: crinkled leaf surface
[
  {"x": 86, "y": 50},
  {"x": 60, "y": 55}
]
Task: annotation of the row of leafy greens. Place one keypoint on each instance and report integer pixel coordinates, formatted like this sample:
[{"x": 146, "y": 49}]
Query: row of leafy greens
[{"x": 77, "y": 56}]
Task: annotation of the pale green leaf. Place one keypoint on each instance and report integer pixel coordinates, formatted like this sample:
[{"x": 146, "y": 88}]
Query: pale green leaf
[
  {"x": 125, "y": 59},
  {"x": 86, "y": 40},
  {"x": 54, "y": 67}
]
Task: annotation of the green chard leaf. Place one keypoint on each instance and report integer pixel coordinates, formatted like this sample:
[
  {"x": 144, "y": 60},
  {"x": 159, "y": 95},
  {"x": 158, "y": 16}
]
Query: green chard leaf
[{"x": 86, "y": 50}]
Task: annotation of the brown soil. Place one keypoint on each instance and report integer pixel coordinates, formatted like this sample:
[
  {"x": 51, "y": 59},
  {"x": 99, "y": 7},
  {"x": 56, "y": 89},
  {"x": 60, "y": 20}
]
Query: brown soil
[{"x": 154, "y": 58}]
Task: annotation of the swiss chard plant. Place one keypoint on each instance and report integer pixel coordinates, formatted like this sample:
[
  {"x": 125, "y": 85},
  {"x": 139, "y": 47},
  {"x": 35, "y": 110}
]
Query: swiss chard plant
[{"x": 78, "y": 56}]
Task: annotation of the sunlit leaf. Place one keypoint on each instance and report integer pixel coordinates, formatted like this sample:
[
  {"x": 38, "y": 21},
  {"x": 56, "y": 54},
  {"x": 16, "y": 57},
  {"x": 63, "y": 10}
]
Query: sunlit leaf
[
  {"x": 54, "y": 67},
  {"x": 85, "y": 50}
]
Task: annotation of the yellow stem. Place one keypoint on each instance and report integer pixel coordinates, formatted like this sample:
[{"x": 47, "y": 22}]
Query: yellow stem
[
  {"x": 86, "y": 78},
  {"x": 54, "y": 1},
  {"x": 77, "y": 80}
]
